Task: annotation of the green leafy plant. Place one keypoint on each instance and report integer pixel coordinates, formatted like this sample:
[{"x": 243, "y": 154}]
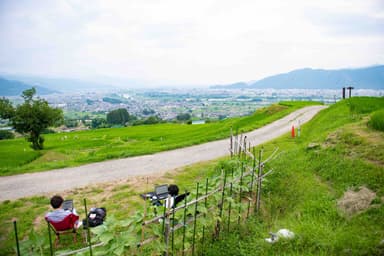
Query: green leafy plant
[
  {"x": 117, "y": 236},
  {"x": 377, "y": 120},
  {"x": 36, "y": 244}
]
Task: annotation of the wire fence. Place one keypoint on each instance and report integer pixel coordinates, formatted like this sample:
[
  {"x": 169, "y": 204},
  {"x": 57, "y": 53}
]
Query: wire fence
[{"x": 215, "y": 206}]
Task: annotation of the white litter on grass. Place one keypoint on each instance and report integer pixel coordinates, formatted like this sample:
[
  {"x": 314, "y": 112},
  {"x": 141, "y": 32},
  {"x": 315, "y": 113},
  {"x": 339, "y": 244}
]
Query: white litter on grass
[
  {"x": 285, "y": 233},
  {"x": 274, "y": 238},
  {"x": 282, "y": 233}
]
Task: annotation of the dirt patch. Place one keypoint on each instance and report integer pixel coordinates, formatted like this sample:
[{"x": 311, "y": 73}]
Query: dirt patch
[
  {"x": 331, "y": 140},
  {"x": 38, "y": 220},
  {"x": 51, "y": 156},
  {"x": 358, "y": 142},
  {"x": 145, "y": 183},
  {"x": 356, "y": 202}
]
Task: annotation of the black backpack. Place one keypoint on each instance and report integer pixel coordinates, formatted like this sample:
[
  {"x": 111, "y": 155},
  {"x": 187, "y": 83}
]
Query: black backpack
[{"x": 96, "y": 217}]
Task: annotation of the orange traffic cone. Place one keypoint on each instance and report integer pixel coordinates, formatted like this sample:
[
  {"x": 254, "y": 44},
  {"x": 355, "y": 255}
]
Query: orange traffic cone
[{"x": 293, "y": 131}]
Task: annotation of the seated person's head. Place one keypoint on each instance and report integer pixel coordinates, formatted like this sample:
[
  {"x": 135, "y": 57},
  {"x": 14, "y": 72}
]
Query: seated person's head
[
  {"x": 56, "y": 201},
  {"x": 173, "y": 190}
]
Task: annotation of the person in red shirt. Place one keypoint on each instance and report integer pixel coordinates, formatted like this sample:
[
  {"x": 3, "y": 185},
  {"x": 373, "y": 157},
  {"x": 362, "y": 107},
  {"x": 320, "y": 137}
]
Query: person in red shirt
[{"x": 59, "y": 214}]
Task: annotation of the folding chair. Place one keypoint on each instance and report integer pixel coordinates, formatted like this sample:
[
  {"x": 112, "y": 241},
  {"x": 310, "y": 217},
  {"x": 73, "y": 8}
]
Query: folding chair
[
  {"x": 180, "y": 198},
  {"x": 66, "y": 226}
]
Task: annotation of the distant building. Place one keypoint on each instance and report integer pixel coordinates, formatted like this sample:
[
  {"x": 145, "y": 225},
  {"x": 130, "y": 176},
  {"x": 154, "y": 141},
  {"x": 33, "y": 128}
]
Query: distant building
[
  {"x": 198, "y": 122},
  {"x": 7, "y": 128}
]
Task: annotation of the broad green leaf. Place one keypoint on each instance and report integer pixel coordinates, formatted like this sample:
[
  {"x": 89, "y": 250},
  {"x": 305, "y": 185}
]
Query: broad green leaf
[
  {"x": 106, "y": 237},
  {"x": 98, "y": 230},
  {"x": 119, "y": 250}
]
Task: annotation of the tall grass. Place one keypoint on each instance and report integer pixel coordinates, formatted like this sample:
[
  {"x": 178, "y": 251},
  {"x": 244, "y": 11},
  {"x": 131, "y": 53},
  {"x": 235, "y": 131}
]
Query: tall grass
[
  {"x": 364, "y": 105},
  {"x": 302, "y": 193},
  {"x": 377, "y": 120}
]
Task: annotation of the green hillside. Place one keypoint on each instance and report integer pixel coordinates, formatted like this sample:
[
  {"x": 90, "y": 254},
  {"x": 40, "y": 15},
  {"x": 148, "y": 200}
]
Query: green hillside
[
  {"x": 336, "y": 153},
  {"x": 14, "y": 88},
  {"x": 76, "y": 148}
]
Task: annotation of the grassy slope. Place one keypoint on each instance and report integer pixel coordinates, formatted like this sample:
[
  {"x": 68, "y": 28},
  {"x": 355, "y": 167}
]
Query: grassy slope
[
  {"x": 302, "y": 193},
  {"x": 76, "y": 148}
]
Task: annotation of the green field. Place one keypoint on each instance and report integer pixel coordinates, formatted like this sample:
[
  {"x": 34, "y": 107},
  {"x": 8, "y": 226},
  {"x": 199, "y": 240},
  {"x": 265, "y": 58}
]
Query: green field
[{"x": 76, "y": 148}]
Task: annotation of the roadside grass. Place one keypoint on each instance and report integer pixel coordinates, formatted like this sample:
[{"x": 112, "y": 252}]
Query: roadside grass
[
  {"x": 121, "y": 199},
  {"x": 76, "y": 148},
  {"x": 302, "y": 194}
]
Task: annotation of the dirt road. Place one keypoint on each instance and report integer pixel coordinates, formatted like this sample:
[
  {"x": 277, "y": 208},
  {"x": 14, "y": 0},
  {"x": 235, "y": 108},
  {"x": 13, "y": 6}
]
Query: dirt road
[{"x": 18, "y": 186}]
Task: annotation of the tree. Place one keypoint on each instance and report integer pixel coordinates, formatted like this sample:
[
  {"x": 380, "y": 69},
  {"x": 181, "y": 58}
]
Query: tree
[
  {"x": 148, "y": 120},
  {"x": 152, "y": 120},
  {"x": 70, "y": 123},
  {"x": 148, "y": 112},
  {"x": 99, "y": 122},
  {"x": 6, "y": 108},
  {"x": 183, "y": 117},
  {"x": 118, "y": 116},
  {"x": 32, "y": 117},
  {"x": 4, "y": 135}
]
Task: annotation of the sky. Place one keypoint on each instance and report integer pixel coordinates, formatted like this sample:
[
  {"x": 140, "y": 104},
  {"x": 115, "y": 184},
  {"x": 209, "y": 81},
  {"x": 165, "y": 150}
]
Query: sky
[{"x": 176, "y": 42}]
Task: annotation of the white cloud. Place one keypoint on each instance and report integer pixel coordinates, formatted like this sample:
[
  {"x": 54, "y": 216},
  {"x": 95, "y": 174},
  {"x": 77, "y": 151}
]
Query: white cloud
[{"x": 194, "y": 42}]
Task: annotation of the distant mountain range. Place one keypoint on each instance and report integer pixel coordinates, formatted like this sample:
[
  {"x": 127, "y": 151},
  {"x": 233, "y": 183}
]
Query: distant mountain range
[
  {"x": 13, "y": 88},
  {"x": 360, "y": 78},
  {"x": 12, "y": 85}
]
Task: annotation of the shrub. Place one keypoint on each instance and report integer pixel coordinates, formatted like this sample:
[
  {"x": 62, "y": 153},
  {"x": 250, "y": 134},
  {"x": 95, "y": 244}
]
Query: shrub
[
  {"x": 4, "y": 135},
  {"x": 377, "y": 120},
  {"x": 70, "y": 123},
  {"x": 365, "y": 105}
]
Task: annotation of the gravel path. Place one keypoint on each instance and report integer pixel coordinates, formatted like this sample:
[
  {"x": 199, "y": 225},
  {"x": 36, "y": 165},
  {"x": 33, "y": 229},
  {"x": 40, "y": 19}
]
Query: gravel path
[{"x": 54, "y": 181}]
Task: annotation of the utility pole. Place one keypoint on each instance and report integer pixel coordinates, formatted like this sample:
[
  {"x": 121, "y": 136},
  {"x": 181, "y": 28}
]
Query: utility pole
[{"x": 350, "y": 88}]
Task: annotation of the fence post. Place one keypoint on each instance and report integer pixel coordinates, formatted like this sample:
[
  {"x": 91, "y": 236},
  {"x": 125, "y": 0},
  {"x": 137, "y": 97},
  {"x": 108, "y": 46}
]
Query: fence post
[
  {"x": 165, "y": 230},
  {"x": 229, "y": 207},
  {"x": 239, "y": 145},
  {"x": 236, "y": 141},
  {"x": 245, "y": 148},
  {"x": 142, "y": 226},
  {"x": 231, "y": 143},
  {"x": 252, "y": 178},
  {"x": 88, "y": 227},
  {"x": 205, "y": 206},
  {"x": 194, "y": 221},
  {"x": 222, "y": 193},
  {"x": 173, "y": 226},
  {"x": 17, "y": 238},
  {"x": 217, "y": 229},
  {"x": 184, "y": 223},
  {"x": 240, "y": 191},
  {"x": 259, "y": 182}
]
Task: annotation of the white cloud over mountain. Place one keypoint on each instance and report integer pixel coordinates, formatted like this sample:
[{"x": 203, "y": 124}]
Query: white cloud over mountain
[{"x": 194, "y": 42}]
